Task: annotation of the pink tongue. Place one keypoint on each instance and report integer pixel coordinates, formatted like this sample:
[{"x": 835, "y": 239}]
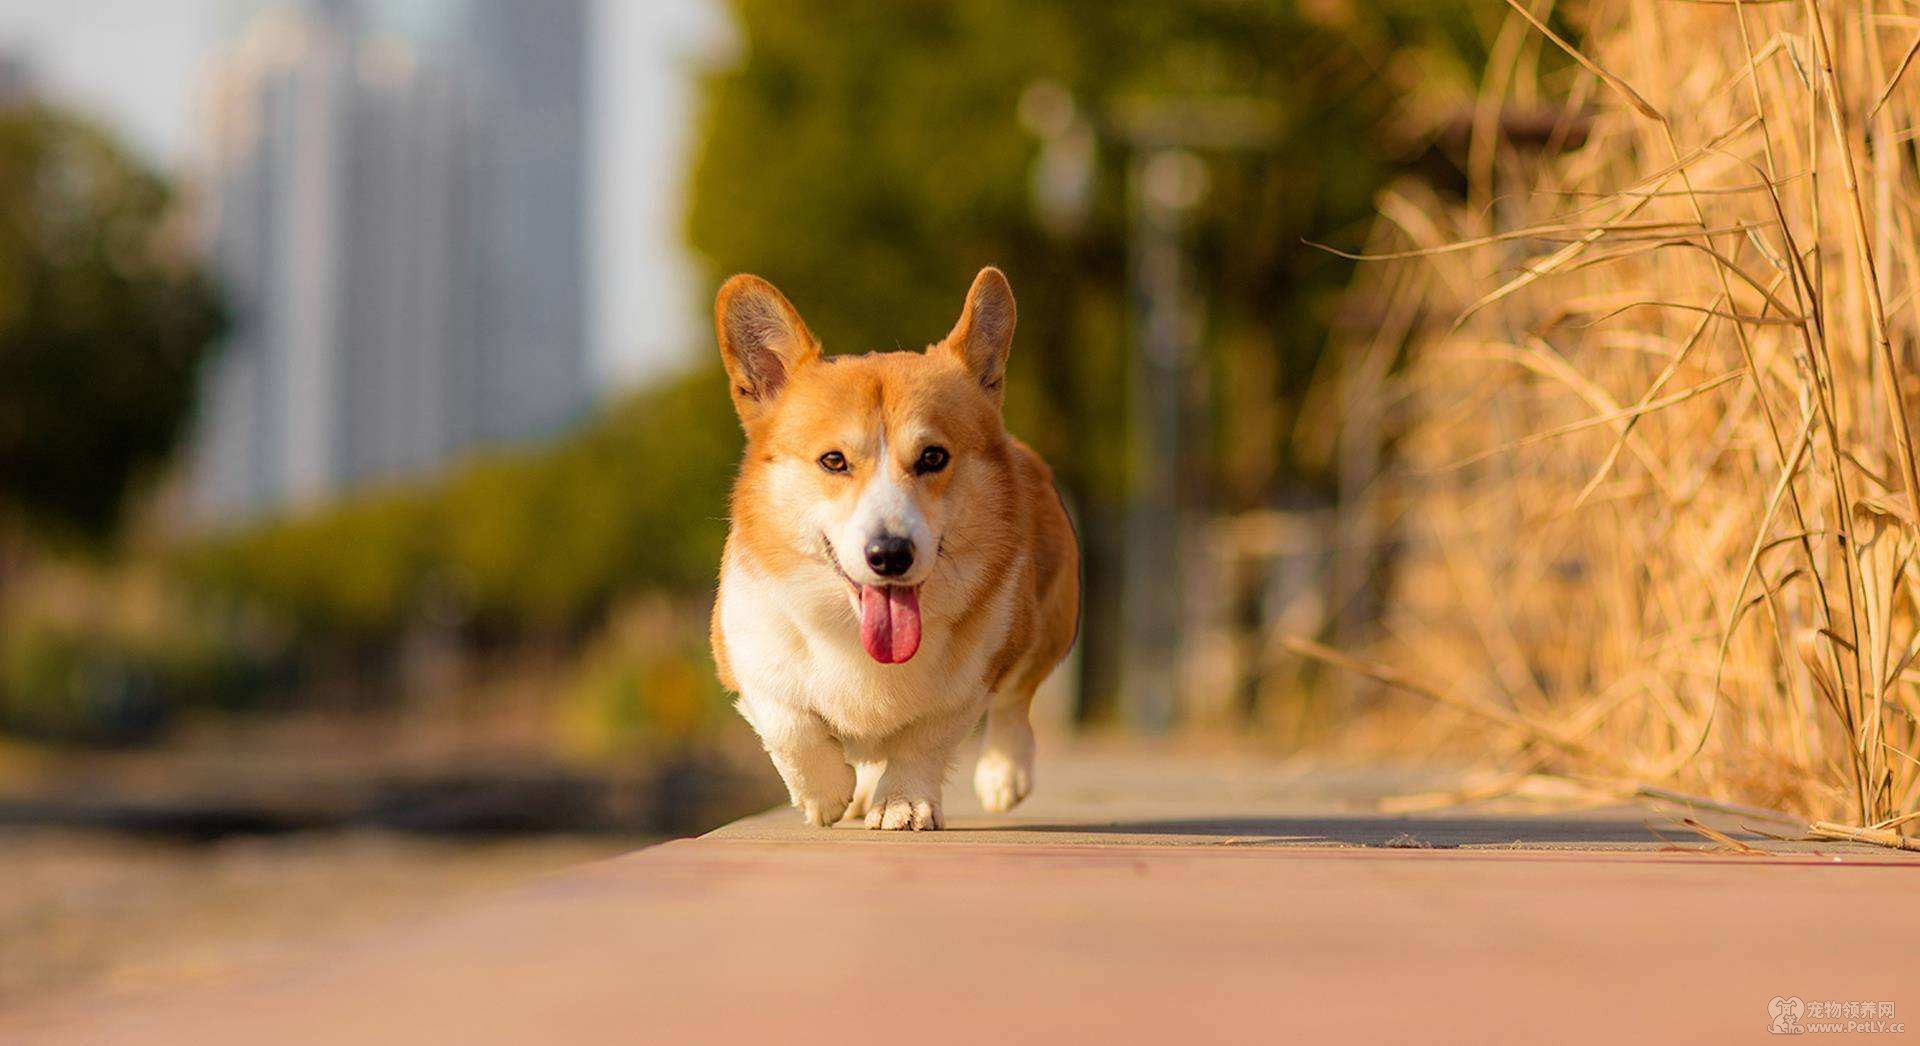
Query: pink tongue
[{"x": 889, "y": 622}]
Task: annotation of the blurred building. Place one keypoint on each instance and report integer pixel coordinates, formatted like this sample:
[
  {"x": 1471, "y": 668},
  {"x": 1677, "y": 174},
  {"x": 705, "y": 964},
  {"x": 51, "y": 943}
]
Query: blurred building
[
  {"x": 396, "y": 194},
  {"x": 16, "y": 76}
]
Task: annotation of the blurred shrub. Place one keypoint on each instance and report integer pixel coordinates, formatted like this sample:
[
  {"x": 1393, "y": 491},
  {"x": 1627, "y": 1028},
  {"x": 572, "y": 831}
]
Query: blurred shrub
[
  {"x": 537, "y": 540},
  {"x": 52, "y": 686},
  {"x": 64, "y": 683},
  {"x": 647, "y": 679}
]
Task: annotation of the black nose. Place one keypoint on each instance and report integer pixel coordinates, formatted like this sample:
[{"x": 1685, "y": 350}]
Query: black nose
[{"x": 890, "y": 556}]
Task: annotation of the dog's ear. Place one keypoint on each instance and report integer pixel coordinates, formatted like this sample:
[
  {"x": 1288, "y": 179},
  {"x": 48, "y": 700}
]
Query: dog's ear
[
  {"x": 984, "y": 334},
  {"x": 763, "y": 341}
]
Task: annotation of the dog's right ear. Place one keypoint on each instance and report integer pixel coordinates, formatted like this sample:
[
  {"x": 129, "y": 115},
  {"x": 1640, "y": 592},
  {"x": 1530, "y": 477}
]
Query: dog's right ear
[{"x": 763, "y": 341}]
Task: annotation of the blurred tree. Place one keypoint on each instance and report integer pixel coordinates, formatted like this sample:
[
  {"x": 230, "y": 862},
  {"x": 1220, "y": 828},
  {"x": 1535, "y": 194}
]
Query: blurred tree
[
  {"x": 867, "y": 159},
  {"x": 103, "y": 323}
]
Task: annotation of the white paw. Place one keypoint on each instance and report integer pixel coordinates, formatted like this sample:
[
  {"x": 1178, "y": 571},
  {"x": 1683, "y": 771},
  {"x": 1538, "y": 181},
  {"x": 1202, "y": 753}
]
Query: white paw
[
  {"x": 900, "y": 814},
  {"x": 822, "y": 813},
  {"x": 823, "y": 797},
  {"x": 1000, "y": 782}
]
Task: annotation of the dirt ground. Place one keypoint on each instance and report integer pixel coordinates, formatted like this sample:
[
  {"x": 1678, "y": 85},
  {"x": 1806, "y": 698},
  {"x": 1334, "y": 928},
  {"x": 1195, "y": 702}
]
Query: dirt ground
[{"x": 101, "y": 914}]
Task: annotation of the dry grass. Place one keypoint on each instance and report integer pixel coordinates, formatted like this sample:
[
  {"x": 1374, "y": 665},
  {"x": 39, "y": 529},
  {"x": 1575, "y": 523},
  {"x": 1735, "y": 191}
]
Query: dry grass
[{"x": 1652, "y": 471}]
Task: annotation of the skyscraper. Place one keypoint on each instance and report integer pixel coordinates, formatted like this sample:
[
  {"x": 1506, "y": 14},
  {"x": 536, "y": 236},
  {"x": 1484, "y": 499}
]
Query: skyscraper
[
  {"x": 397, "y": 209},
  {"x": 16, "y": 76},
  {"x": 526, "y": 62}
]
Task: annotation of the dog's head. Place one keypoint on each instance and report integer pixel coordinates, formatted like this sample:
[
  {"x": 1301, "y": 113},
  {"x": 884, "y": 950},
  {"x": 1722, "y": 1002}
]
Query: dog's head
[{"x": 875, "y": 466}]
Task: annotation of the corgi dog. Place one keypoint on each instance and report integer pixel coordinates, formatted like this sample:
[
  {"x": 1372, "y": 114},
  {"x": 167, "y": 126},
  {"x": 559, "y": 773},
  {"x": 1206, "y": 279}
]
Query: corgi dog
[{"x": 897, "y": 565}]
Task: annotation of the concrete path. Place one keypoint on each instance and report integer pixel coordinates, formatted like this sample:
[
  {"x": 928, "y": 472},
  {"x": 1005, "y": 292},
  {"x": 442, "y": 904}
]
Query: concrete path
[{"x": 1135, "y": 899}]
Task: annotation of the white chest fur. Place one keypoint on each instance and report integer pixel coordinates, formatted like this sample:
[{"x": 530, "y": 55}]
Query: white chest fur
[{"x": 795, "y": 641}]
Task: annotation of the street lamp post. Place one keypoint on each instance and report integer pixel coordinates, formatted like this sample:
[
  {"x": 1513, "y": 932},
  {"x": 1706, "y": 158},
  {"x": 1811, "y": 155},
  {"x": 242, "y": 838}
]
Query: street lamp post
[
  {"x": 1164, "y": 187},
  {"x": 1166, "y": 182}
]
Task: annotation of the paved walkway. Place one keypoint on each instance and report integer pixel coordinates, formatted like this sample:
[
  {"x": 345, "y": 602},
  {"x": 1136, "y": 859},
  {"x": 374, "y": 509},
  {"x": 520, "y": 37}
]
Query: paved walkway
[{"x": 1135, "y": 899}]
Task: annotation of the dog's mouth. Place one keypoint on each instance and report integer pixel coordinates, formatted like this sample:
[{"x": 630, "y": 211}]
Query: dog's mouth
[{"x": 889, "y": 615}]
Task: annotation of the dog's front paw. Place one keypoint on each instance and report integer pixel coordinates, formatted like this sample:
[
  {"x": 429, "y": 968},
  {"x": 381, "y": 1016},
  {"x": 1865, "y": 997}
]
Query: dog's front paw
[
  {"x": 1001, "y": 781},
  {"x": 822, "y": 813},
  {"x": 900, "y": 813},
  {"x": 823, "y": 807}
]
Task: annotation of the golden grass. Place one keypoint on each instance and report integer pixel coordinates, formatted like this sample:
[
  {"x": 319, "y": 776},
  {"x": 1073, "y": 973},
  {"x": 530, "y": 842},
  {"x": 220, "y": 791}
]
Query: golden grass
[{"x": 1652, "y": 474}]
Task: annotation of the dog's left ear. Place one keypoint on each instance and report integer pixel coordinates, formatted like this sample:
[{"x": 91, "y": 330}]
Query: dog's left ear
[{"x": 984, "y": 334}]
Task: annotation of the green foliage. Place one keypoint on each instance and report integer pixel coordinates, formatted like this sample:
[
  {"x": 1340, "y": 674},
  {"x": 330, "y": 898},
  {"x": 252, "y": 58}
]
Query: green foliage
[
  {"x": 539, "y": 539},
  {"x": 65, "y": 683},
  {"x": 647, "y": 679},
  {"x": 103, "y": 323},
  {"x": 867, "y": 159}
]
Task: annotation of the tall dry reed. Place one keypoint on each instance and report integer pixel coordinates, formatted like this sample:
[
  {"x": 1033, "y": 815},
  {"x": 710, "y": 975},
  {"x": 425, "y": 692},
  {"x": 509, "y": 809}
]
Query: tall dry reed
[{"x": 1652, "y": 467}]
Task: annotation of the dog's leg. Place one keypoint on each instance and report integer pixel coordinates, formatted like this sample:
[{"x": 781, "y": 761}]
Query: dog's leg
[
  {"x": 1004, "y": 774},
  {"x": 908, "y": 794},
  {"x": 810, "y": 759},
  {"x": 866, "y": 777}
]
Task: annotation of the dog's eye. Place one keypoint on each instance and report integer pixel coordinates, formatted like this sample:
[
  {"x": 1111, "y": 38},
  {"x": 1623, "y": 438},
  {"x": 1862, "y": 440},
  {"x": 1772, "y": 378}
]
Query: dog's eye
[
  {"x": 932, "y": 459},
  {"x": 833, "y": 461}
]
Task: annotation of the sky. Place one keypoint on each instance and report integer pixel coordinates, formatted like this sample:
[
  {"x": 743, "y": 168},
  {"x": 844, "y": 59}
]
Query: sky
[{"x": 140, "y": 66}]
